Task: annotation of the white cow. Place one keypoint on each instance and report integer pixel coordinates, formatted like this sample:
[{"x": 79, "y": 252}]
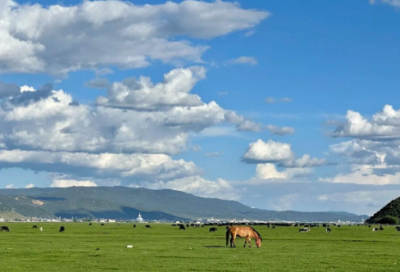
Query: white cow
[{"x": 41, "y": 229}]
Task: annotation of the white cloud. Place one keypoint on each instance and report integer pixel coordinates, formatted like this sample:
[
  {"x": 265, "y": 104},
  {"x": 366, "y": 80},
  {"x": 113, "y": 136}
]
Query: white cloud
[
  {"x": 270, "y": 151},
  {"x": 366, "y": 174},
  {"x": 142, "y": 94},
  {"x": 70, "y": 183},
  {"x": 199, "y": 186},
  {"x": 51, "y": 120},
  {"x": 268, "y": 173},
  {"x": 129, "y": 167},
  {"x": 280, "y": 130},
  {"x": 30, "y": 185},
  {"x": 383, "y": 125},
  {"x": 304, "y": 161},
  {"x": 9, "y": 186},
  {"x": 7, "y": 90},
  {"x": 394, "y": 3},
  {"x": 243, "y": 60},
  {"x": 272, "y": 100},
  {"x": 112, "y": 33}
]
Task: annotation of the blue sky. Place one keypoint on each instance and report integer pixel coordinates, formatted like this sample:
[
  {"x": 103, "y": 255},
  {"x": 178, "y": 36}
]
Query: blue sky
[{"x": 314, "y": 60}]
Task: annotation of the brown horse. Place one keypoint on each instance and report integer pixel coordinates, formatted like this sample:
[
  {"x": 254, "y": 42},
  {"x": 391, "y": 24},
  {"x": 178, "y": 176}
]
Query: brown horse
[{"x": 243, "y": 232}]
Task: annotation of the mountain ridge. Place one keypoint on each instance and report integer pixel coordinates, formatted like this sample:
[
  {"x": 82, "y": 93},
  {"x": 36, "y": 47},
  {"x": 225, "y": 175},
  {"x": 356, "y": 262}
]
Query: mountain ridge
[{"x": 125, "y": 203}]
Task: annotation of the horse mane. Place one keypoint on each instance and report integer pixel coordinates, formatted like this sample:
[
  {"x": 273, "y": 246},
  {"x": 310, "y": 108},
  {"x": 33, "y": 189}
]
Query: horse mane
[{"x": 257, "y": 233}]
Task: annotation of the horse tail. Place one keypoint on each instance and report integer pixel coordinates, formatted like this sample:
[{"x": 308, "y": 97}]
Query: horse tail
[{"x": 228, "y": 231}]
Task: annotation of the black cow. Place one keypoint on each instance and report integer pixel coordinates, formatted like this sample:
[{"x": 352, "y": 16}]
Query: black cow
[
  {"x": 4, "y": 228},
  {"x": 273, "y": 226},
  {"x": 398, "y": 228},
  {"x": 380, "y": 228},
  {"x": 62, "y": 229},
  {"x": 213, "y": 229},
  {"x": 34, "y": 227},
  {"x": 182, "y": 227},
  {"x": 187, "y": 225},
  {"x": 148, "y": 226},
  {"x": 134, "y": 225},
  {"x": 90, "y": 224},
  {"x": 102, "y": 224},
  {"x": 328, "y": 230}
]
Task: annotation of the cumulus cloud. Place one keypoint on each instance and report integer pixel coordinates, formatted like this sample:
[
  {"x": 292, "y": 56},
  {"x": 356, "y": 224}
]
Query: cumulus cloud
[
  {"x": 199, "y": 186},
  {"x": 243, "y": 60},
  {"x": 112, "y": 33},
  {"x": 267, "y": 172},
  {"x": 127, "y": 140},
  {"x": 51, "y": 120},
  {"x": 142, "y": 94},
  {"x": 30, "y": 185},
  {"x": 9, "y": 186},
  {"x": 127, "y": 167},
  {"x": 280, "y": 130},
  {"x": 270, "y": 151},
  {"x": 383, "y": 125}
]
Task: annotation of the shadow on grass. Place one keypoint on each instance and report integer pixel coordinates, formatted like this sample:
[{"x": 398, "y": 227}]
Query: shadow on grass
[{"x": 214, "y": 246}]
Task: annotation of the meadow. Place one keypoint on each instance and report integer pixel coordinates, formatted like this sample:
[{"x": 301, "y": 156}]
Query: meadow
[{"x": 165, "y": 248}]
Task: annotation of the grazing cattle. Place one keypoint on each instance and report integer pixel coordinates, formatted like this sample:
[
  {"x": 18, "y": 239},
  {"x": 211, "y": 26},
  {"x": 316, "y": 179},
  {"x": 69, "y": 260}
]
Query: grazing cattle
[
  {"x": 328, "y": 230},
  {"x": 148, "y": 226},
  {"x": 34, "y": 227},
  {"x": 338, "y": 226},
  {"x": 182, "y": 227},
  {"x": 375, "y": 229},
  {"x": 273, "y": 226},
  {"x": 41, "y": 229},
  {"x": 134, "y": 225},
  {"x": 102, "y": 224},
  {"x": 62, "y": 229},
  {"x": 213, "y": 229},
  {"x": 187, "y": 225},
  {"x": 398, "y": 228},
  {"x": 304, "y": 230},
  {"x": 90, "y": 224},
  {"x": 202, "y": 226},
  {"x": 369, "y": 226},
  {"x": 380, "y": 228},
  {"x": 4, "y": 228}
]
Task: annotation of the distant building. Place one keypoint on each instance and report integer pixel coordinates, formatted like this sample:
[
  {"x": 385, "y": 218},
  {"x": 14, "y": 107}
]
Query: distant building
[{"x": 139, "y": 219}]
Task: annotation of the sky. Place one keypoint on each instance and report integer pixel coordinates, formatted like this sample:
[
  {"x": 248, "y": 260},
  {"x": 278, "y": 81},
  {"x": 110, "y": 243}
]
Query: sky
[{"x": 281, "y": 105}]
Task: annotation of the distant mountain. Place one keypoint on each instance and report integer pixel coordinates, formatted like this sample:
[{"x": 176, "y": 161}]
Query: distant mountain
[
  {"x": 389, "y": 214},
  {"x": 126, "y": 203}
]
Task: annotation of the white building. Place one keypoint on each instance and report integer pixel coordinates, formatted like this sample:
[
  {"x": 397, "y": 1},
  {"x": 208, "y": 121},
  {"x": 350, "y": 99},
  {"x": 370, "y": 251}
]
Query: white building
[{"x": 139, "y": 219}]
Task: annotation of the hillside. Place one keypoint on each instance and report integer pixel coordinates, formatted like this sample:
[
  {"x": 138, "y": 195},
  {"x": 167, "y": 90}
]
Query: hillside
[
  {"x": 125, "y": 203},
  {"x": 389, "y": 214}
]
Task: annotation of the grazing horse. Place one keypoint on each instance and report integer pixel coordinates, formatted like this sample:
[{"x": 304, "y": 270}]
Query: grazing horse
[{"x": 243, "y": 232}]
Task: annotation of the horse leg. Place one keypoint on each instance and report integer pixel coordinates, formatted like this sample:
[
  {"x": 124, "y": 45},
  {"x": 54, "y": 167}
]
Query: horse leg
[
  {"x": 249, "y": 242},
  {"x": 245, "y": 242},
  {"x": 233, "y": 240}
]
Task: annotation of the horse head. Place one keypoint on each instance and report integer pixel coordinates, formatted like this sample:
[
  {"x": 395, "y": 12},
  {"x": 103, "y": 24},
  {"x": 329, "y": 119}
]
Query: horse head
[{"x": 258, "y": 242}]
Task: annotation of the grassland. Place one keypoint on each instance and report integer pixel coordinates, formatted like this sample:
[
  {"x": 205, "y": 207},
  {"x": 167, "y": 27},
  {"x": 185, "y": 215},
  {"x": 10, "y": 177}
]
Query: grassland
[{"x": 165, "y": 248}]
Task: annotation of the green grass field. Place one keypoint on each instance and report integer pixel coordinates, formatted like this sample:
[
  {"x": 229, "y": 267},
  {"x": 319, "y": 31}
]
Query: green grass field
[{"x": 166, "y": 248}]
